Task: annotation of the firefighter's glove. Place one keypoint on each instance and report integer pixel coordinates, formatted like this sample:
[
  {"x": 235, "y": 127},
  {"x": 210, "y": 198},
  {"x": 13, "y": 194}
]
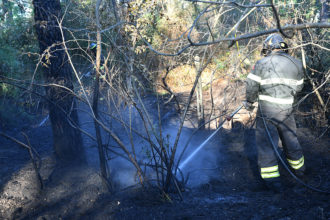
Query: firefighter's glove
[
  {"x": 248, "y": 105},
  {"x": 293, "y": 93}
]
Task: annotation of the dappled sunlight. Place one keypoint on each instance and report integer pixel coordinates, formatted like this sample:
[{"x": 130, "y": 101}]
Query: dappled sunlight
[{"x": 143, "y": 109}]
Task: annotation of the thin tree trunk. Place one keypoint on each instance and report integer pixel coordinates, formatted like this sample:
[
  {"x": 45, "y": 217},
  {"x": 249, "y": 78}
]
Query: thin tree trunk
[
  {"x": 303, "y": 54},
  {"x": 324, "y": 16},
  {"x": 115, "y": 12},
  {"x": 103, "y": 162},
  {"x": 199, "y": 96},
  {"x": 67, "y": 140}
]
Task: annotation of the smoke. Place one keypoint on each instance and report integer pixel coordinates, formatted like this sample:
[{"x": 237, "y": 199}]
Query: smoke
[{"x": 199, "y": 170}]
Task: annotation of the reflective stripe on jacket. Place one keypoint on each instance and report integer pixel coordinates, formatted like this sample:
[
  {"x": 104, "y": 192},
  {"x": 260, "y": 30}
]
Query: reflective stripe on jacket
[{"x": 275, "y": 79}]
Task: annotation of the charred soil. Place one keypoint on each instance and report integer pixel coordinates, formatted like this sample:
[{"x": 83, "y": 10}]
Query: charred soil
[{"x": 233, "y": 189}]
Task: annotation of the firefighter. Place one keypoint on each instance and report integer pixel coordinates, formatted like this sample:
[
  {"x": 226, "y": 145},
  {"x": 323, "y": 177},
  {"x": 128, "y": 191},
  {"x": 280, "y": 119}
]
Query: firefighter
[
  {"x": 92, "y": 52},
  {"x": 92, "y": 49},
  {"x": 274, "y": 82}
]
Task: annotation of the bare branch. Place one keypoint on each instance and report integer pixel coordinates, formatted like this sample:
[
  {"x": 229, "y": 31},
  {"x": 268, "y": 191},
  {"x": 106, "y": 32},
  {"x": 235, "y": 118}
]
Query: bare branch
[
  {"x": 230, "y": 3},
  {"x": 242, "y": 37},
  {"x": 313, "y": 44},
  {"x": 267, "y": 32},
  {"x": 278, "y": 23},
  {"x": 30, "y": 150}
]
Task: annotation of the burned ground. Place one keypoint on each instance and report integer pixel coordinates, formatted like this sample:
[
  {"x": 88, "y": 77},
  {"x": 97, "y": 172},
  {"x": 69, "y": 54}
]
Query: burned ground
[
  {"x": 223, "y": 181},
  {"x": 233, "y": 191}
]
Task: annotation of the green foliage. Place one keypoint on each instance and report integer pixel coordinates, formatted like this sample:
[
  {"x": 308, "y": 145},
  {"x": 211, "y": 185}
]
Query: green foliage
[
  {"x": 10, "y": 63},
  {"x": 243, "y": 76},
  {"x": 17, "y": 42},
  {"x": 8, "y": 91},
  {"x": 220, "y": 65},
  {"x": 221, "y": 61},
  {"x": 206, "y": 87},
  {"x": 155, "y": 22},
  {"x": 13, "y": 115}
]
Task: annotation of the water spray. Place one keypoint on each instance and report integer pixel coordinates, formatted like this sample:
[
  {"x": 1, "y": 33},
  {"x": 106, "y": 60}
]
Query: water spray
[{"x": 228, "y": 118}]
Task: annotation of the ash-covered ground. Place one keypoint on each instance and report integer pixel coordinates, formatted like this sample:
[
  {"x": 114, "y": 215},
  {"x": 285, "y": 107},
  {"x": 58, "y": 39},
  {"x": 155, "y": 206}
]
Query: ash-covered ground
[{"x": 222, "y": 180}]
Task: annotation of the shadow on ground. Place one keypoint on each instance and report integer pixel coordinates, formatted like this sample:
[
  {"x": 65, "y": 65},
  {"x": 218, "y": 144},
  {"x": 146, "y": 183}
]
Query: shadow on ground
[{"x": 224, "y": 184}]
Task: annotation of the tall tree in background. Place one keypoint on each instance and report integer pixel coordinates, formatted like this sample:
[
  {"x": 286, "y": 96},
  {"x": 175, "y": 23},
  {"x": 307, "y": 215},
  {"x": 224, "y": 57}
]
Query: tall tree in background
[{"x": 62, "y": 107}]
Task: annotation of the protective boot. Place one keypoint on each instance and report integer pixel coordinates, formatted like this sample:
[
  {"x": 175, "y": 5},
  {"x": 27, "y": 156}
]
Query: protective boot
[
  {"x": 300, "y": 173},
  {"x": 274, "y": 184}
]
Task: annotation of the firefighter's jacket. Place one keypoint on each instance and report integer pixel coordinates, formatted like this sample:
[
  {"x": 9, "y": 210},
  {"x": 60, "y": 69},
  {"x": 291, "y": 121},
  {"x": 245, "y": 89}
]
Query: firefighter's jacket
[
  {"x": 101, "y": 62},
  {"x": 275, "y": 80}
]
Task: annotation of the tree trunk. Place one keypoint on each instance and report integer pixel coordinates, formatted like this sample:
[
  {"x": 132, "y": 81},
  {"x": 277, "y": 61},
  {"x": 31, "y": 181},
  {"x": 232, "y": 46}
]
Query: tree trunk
[
  {"x": 103, "y": 161},
  {"x": 324, "y": 16},
  {"x": 67, "y": 140},
  {"x": 115, "y": 10},
  {"x": 199, "y": 97}
]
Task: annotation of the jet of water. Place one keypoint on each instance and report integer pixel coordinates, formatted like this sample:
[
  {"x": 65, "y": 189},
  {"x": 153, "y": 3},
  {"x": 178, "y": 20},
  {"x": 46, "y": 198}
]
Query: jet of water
[{"x": 183, "y": 164}]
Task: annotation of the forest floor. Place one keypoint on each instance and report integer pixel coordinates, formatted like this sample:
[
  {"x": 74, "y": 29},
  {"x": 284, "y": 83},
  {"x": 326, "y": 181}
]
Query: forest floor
[{"x": 231, "y": 189}]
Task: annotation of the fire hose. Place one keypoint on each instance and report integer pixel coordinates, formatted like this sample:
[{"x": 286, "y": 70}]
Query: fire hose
[
  {"x": 228, "y": 118},
  {"x": 283, "y": 162}
]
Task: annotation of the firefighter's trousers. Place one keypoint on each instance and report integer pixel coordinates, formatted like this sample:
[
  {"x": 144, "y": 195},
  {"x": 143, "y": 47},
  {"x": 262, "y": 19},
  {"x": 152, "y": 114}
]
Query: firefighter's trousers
[{"x": 281, "y": 124}]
